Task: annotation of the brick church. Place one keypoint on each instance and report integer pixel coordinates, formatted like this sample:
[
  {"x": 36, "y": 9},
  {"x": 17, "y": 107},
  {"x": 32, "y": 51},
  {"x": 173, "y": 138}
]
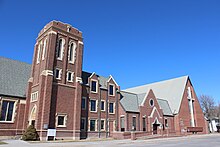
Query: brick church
[{"x": 55, "y": 93}]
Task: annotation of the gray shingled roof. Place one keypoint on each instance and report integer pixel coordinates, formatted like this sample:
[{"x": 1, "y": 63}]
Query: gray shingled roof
[
  {"x": 165, "y": 107},
  {"x": 171, "y": 90},
  {"x": 14, "y": 77},
  {"x": 129, "y": 101},
  {"x": 102, "y": 80}
]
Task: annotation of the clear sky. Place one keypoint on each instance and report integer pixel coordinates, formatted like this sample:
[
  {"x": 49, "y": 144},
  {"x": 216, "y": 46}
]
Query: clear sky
[{"x": 136, "y": 41}]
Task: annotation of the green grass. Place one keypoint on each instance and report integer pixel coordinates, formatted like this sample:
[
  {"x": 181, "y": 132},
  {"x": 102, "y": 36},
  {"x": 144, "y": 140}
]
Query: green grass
[{"x": 2, "y": 143}]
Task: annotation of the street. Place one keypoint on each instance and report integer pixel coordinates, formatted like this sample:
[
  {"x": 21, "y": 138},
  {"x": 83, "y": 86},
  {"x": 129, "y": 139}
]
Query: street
[{"x": 212, "y": 140}]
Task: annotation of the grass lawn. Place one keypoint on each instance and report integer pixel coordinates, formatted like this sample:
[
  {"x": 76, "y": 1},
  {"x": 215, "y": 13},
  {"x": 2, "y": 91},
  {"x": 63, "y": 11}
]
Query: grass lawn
[{"x": 2, "y": 143}]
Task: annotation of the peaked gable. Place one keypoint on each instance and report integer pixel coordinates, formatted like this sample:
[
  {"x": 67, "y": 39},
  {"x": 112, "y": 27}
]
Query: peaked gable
[{"x": 171, "y": 90}]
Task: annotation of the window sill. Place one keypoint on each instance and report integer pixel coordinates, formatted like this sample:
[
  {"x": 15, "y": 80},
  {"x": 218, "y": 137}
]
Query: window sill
[
  {"x": 111, "y": 113},
  {"x": 94, "y": 92},
  {"x": 61, "y": 126},
  {"x": 93, "y": 111},
  {"x": 7, "y": 122}
]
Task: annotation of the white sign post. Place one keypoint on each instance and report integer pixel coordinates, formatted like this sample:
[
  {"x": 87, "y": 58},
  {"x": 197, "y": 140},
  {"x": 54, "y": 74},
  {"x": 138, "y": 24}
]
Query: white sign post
[{"x": 51, "y": 132}]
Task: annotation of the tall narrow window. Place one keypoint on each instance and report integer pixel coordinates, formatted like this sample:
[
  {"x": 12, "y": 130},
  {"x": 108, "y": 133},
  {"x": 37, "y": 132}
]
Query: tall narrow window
[
  {"x": 102, "y": 105},
  {"x": 83, "y": 124},
  {"x": 111, "y": 90},
  {"x": 144, "y": 124},
  {"x": 44, "y": 49},
  {"x": 166, "y": 122},
  {"x": 72, "y": 52},
  {"x": 58, "y": 73},
  {"x": 93, "y": 105},
  {"x": 111, "y": 108},
  {"x": 102, "y": 124},
  {"x": 83, "y": 103},
  {"x": 7, "y": 110},
  {"x": 134, "y": 123},
  {"x": 70, "y": 76},
  {"x": 39, "y": 53},
  {"x": 92, "y": 125},
  {"x": 122, "y": 123},
  {"x": 60, "y": 49},
  {"x": 94, "y": 86}
]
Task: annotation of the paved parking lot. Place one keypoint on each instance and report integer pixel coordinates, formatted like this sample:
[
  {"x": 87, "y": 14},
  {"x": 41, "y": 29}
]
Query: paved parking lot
[{"x": 212, "y": 140}]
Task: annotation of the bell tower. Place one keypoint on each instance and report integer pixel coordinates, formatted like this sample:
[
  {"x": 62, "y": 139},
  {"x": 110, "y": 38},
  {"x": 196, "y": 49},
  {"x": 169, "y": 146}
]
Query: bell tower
[{"x": 54, "y": 89}]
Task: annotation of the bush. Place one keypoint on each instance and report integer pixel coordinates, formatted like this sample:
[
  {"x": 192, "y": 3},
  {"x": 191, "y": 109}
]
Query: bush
[{"x": 30, "y": 134}]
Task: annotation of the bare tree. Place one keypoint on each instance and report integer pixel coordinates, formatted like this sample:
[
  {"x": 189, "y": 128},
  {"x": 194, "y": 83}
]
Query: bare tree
[{"x": 208, "y": 105}]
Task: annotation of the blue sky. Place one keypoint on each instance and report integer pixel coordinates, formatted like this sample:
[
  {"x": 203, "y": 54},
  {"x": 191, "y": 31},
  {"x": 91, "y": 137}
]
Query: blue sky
[{"x": 136, "y": 41}]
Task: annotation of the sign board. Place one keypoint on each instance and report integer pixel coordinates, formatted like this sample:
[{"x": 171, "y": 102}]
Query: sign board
[{"x": 51, "y": 132}]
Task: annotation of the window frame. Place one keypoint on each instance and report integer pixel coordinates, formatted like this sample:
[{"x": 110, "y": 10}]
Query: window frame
[
  {"x": 113, "y": 89},
  {"x": 73, "y": 52},
  {"x": 39, "y": 48},
  {"x": 134, "y": 123},
  {"x": 72, "y": 76},
  {"x": 34, "y": 96},
  {"x": 91, "y": 90},
  {"x": 13, "y": 112},
  {"x": 95, "y": 125},
  {"x": 91, "y": 105},
  {"x": 83, "y": 129},
  {"x": 60, "y": 57},
  {"x": 44, "y": 49},
  {"x": 64, "y": 121},
  {"x": 103, "y": 125},
  {"x": 101, "y": 105},
  {"x": 59, "y": 75},
  {"x": 85, "y": 103},
  {"x": 113, "y": 108}
]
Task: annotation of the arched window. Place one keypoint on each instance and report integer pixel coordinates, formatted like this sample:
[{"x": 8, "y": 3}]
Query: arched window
[
  {"x": 60, "y": 48},
  {"x": 39, "y": 53},
  {"x": 44, "y": 49},
  {"x": 72, "y": 52},
  {"x": 33, "y": 116}
]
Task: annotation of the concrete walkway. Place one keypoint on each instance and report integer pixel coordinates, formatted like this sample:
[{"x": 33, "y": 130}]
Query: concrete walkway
[{"x": 188, "y": 141}]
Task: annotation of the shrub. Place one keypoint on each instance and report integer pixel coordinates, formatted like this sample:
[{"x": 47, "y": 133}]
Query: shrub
[{"x": 30, "y": 134}]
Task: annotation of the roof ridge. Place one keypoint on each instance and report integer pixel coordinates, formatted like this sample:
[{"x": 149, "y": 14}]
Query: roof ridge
[{"x": 159, "y": 82}]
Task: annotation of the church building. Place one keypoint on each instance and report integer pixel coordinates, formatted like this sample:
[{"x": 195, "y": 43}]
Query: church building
[{"x": 55, "y": 93}]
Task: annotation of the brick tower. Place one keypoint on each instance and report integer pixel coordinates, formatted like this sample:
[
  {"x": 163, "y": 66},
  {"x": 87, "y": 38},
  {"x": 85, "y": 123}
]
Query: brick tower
[{"x": 54, "y": 89}]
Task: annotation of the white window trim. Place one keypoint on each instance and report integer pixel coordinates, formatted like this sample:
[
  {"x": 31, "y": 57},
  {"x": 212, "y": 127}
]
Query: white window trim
[
  {"x": 73, "y": 53},
  {"x": 44, "y": 49},
  {"x": 104, "y": 125},
  {"x": 113, "y": 89},
  {"x": 65, "y": 121},
  {"x": 39, "y": 52},
  {"x": 113, "y": 108},
  {"x": 34, "y": 96},
  {"x": 84, "y": 124},
  {"x": 101, "y": 105},
  {"x": 85, "y": 103},
  {"x": 95, "y": 125},
  {"x": 165, "y": 123},
  {"x": 13, "y": 114},
  {"x": 62, "y": 49},
  {"x": 72, "y": 76},
  {"x": 150, "y": 103},
  {"x": 91, "y": 105},
  {"x": 60, "y": 74},
  {"x": 96, "y": 86}
]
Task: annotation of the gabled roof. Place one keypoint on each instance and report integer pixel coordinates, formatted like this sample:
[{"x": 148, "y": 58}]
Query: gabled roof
[
  {"x": 14, "y": 77},
  {"x": 102, "y": 80},
  {"x": 129, "y": 101},
  {"x": 171, "y": 90},
  {"x": 165, "y": 107}
]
